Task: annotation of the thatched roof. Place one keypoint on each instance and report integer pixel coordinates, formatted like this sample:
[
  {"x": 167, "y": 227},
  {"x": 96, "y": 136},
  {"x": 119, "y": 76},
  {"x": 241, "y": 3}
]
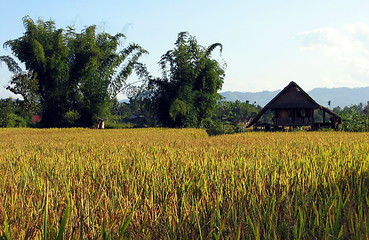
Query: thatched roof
[{"x": 291, "y": 97}]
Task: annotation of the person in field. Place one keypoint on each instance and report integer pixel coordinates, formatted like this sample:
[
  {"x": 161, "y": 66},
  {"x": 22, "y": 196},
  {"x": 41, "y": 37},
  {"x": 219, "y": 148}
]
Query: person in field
[{"x": 100, "y": 124}]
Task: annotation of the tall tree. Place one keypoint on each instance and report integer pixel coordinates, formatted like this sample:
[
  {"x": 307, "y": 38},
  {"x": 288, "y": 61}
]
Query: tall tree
[
  {"x": 186, "y": 94},
  {"x": 79, "y": 72},
  {"x": 100, "y": 70},
  {"x": 43, "y": 51}
]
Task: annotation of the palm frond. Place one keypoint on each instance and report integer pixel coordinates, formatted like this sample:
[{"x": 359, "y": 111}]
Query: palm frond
[
  {"x": 132, "y": 48},
  {"x": 119, "y": 36},
  {"x": 166, "y": 58},
  {"x": 128, "y": 62},
  {"x": 211, "y": 48},
  {"x": 182, "y": 37},
  {"x": 11, "y": 63}
]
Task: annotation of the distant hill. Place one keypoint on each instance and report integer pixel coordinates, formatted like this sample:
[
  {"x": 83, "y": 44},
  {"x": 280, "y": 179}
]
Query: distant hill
[{"x": 338, "y": 96}]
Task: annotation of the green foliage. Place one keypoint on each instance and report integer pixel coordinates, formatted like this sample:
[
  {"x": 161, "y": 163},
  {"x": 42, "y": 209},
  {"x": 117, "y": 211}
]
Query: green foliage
[
  {"x": 69, "y": 71},
  {"x": 12, "y": 114},
  {"x": 179, "y": 110},
  {"x": 43, "y": 51},
  {"x": 130, "y": 114},
  {"x": 64, "y": 220},
  {"x": 354, "y": 118},
  {"x": 12, "y": 65},
  {"x": 231, "y": 117},
  {"x": 14, "y": 120},
  {"x": 356, "y": 123},
  {"x": 236, "y": 111},
  {"x": 26, "y": 85},
  {"x": 71, "y": 117},
  {"x": 186, "y": 94},
  {"x": 216, "y": 128},
  {"x": 100, "y": 70},
  {"x": 5, "y": 235}
]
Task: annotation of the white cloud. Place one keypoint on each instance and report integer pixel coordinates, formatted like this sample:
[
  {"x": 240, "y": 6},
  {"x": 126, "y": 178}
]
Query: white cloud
[
  {"x": 328, "y": 40},
  {"x": 358, "y": 29},
  {"x": 348, "y": 47}
]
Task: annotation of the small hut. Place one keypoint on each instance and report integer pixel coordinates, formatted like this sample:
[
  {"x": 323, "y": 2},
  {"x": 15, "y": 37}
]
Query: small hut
[{"x": 293, "y": 107}]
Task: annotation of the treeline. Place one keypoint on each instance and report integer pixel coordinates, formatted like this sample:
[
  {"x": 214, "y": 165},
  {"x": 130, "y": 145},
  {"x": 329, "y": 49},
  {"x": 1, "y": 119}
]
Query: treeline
[
  {"x": 355, "y": 118},
  {"x": 227, "y": 117},
  {"x": 232, "y": 116},
  {"x": 72, "y": 78}
]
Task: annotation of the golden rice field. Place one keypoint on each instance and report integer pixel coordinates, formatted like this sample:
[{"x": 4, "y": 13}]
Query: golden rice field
[{"x": 182, "y": 184}]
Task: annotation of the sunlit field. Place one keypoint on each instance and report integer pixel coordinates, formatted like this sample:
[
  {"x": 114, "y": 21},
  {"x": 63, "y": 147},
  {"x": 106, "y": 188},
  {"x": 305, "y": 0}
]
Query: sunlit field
[{"x": 182, "y": 184}]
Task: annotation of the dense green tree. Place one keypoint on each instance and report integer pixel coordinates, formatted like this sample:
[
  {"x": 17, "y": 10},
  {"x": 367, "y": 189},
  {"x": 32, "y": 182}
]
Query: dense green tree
[
  {"x": 100, "y": 70},
  {"x": 12, "y": 113},
  {"x": 186, "y": 94},
  {"x": 75, "y": 74},
  {"x": 355, "y": 118},
  {"x": 44, "y": 53}
]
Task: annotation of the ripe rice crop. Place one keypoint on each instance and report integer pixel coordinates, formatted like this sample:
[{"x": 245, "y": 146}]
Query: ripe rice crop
[{"x": 180, "y": 183}]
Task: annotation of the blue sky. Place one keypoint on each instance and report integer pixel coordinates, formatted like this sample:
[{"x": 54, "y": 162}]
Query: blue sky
[{"x": 266, "y": 44}]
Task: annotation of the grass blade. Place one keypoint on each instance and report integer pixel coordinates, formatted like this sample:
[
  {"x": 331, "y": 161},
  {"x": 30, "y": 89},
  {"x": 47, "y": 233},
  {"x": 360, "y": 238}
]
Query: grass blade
[{"x": 64, "y": 221}]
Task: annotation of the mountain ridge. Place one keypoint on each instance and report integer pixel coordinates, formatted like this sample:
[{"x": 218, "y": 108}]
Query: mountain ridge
[{"x": 342, "y": 96}]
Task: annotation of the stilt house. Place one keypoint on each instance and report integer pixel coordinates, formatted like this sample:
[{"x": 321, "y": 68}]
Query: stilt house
[{"x": 293, "y": 107}]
